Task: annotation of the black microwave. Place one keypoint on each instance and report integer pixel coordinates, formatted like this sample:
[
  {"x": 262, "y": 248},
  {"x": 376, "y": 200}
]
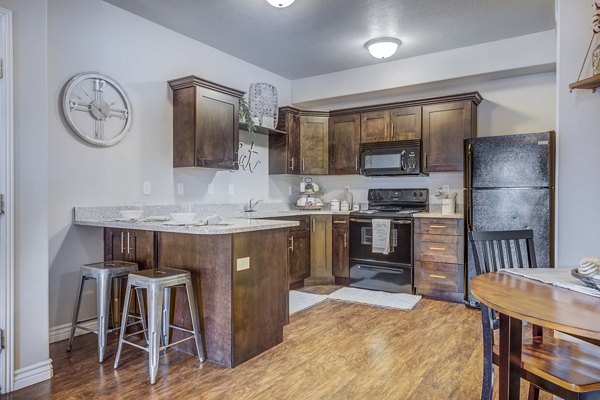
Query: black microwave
[{"x": 391, "y": 158}]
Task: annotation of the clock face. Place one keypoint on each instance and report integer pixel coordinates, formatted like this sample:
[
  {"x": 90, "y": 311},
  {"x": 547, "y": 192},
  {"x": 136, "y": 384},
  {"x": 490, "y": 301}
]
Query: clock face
[{"x": 96, "y": 109}]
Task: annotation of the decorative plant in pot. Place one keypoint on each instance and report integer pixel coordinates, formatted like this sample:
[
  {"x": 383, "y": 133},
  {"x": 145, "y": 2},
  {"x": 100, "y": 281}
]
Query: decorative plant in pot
[{"x": 246, "y": 117}]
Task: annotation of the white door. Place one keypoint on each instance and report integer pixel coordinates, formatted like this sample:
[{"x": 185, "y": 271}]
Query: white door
[{"x": 6, "y": 215}]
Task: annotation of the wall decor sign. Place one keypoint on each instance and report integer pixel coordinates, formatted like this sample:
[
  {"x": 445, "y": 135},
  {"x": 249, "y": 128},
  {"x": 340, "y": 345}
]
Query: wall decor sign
[{"x": 96, "y": 108}]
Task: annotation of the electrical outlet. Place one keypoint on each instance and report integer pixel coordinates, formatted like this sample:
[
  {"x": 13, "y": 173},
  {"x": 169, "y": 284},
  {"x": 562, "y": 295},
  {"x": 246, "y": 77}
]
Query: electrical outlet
[
  {"x": 180, "y": 189},
  {"x": 242, "y": 264},
  {"x": 231, "y": 188},
  {"x": 211, "y": 188},
  {"x": 147, "y": 187},
  {"x": 290, "y": 192}
]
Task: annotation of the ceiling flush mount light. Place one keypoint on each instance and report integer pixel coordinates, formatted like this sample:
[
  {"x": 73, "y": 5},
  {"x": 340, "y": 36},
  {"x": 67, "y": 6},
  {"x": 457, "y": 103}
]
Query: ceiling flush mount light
[
  {"x": 383, "y": 47},
  {"x": 280, "y": 3}
]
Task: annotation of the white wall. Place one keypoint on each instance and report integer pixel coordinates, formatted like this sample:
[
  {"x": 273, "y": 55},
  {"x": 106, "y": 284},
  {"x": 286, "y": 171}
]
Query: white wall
[
  {"x": 511, "y": 105},
  {"x": 31, "y": 185},
  {"x": 578, "y": 139},
  {"x": 141, "y": 56}
]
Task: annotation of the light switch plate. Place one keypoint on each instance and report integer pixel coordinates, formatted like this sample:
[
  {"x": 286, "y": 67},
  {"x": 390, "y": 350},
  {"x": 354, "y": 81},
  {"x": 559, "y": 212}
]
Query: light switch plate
[
  {"x": 231, "y": 188},
  {"x": 180, "y": 189},
  {"x": 243, "y": 263},
  {"x": 147, "y": 187}
]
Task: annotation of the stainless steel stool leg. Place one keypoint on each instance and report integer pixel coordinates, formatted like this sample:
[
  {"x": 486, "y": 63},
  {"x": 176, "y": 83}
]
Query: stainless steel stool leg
[
  {"x": 166, "y": 317},
  {"x": 155, "y": 300},
  {"x": 123, "y": 323},
  {"x": 76, "y": 313},
  {"x": 103, "y": 295},
  {"x": 141, "y": 303},
  {"x": 195, "y": 319}
]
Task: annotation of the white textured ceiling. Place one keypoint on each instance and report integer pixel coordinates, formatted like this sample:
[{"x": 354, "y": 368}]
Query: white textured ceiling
[{"x": 313, "y": 37}]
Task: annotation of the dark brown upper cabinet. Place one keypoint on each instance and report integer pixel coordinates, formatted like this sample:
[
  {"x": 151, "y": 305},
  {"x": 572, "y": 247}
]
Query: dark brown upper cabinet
[
  {"x": 375, "y": 126},
  {"x": 284, "y": 150},
  {"x": 314, "y": 144},
  {"x": 344, "y": 141},
  {"x": 445, "y": 126},
  {"x": 205, "y": 124},
  {"x": 405, "y": 123}
]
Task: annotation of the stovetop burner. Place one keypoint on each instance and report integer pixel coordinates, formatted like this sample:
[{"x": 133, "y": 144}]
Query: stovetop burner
[{"x": 395, "y": 203}]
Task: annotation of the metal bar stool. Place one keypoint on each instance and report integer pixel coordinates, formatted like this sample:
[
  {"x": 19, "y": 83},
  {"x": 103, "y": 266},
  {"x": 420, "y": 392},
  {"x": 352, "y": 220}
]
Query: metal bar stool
[
  {"x": 158, "y": 284},
  {"x": 103, "y": 273}
]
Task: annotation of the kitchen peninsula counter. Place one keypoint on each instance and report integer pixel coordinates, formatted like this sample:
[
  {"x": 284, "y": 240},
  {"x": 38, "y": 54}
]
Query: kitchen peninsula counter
[{"x": 239, "y": 274}]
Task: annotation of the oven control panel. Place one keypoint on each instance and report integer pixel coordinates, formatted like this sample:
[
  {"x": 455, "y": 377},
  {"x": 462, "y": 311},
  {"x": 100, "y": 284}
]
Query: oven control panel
[{"x": 399, "y": 195}]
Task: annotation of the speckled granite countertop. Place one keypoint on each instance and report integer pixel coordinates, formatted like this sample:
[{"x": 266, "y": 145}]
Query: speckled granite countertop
[
  {"x": 227, "y": 226},
  {"x": 438, "y": 215}
]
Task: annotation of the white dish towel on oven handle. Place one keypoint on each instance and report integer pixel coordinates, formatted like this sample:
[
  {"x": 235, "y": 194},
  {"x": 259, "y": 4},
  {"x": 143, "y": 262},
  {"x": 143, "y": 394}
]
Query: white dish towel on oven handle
[{"x": 381, "y": 235}]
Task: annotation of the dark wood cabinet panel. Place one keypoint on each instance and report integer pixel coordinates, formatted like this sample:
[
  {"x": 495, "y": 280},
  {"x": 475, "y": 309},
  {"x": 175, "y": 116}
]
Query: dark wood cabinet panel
[
  {"x": 314, "y": 145},
  {"x": 445, "y": 126},
  {"x": 340, "y": 250},
  {"x": 375, "y": 126},
  {"x": 130, "y": 245},
  {"x": 284, "y": 150},
  {"x": 299, "y": 256},
  {"x": 205, "y": 124},
  {"x": 344, "y": 141},
  {"x": 406, "y": 123}
]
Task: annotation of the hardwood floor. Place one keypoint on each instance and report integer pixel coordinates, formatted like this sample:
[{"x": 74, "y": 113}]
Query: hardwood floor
[{"x": 334, "y": 350}]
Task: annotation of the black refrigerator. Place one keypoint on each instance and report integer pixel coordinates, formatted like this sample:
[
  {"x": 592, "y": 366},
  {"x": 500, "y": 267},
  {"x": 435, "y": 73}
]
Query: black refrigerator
[{"x": 509, "y": 185}]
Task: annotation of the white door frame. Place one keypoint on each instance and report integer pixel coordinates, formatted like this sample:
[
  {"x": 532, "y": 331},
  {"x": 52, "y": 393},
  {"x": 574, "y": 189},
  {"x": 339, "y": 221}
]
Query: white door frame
[{"x": 7, "y": 365}]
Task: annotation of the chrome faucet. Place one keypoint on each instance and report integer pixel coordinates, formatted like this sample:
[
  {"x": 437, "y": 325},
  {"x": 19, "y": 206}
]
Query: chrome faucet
[{"x": 251, "y": 205}]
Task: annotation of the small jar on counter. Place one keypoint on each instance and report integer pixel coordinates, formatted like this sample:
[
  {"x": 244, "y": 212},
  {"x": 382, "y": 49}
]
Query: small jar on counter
[
  {"x": 345, "y": 206},
  {"x": 335, "y": 205}
]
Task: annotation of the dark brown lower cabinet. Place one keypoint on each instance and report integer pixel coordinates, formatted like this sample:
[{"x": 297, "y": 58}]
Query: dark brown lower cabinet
[
  {"x": 299, "y": 257},
  {"x": 130, "y": 245},
  {"x": 243, "y": 311},
  {"x": 340, "y": 253}
]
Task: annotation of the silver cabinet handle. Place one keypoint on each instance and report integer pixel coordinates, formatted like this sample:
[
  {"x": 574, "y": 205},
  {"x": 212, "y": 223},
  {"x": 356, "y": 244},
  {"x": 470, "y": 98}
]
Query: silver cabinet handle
[
  {"x": 313, "y": 225},
  {"x": 128, "y": 242},
  {"x": 339, "y": 222},
  {"x": 356, "y": 162},
  {"x": 345, "y": 240},
  {"x": 392, "y": 130},
  {"x": 302, "y": 164},
  {"x": 292, "y": 164},
  {"x": 122, "y": 243},
  {"x": 291, "y": 239}
]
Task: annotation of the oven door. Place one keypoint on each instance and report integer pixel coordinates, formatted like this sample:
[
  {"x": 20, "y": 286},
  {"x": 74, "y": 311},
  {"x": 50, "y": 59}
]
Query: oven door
[
  {"x": 361, "y": 244},
  {"x": 380, "y": 277}
]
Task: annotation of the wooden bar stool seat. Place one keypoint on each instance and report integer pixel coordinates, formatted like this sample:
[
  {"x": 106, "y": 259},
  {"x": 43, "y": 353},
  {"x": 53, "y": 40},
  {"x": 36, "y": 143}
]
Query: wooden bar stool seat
[
  {"x": 103, "y": 273},
  {"x": 158, "y": 284}
]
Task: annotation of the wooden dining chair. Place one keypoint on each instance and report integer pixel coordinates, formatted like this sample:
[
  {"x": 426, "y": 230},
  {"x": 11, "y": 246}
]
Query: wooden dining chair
[{"x": 563, "y": 368}]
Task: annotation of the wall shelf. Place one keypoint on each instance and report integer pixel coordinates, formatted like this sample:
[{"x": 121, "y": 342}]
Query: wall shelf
[
  {"x": 262, "y": 130},
  {"x": 588, "y": 83}
]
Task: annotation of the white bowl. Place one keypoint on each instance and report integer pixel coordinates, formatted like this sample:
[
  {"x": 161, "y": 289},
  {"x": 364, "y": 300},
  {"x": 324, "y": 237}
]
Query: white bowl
[
  {"x": 183, "y": 218},
  {"x": 131, "y": 214}
]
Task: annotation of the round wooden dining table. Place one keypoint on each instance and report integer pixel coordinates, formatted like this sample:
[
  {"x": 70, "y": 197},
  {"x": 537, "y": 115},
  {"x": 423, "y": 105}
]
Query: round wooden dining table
[{"x": 518, "y": 299}]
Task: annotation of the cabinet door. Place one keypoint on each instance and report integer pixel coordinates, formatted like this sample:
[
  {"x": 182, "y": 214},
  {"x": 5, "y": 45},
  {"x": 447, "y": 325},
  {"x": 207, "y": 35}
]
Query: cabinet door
[
  {"x": 217, "y": 129},
  {"x": 375, "y": 126},
  {"x": 344, "y": 140},
  {"x": 314, "y": 148},
  {"x": 445, "y": 126},
  {"x": 284, "y": 150},
  {"x": 320, "y": 249},
  {"x": 340, "y": 254},
  {"x": 130, "y": 245},
  {"x": 299, "y": 259},
  {"x": 406, "y": 123}
]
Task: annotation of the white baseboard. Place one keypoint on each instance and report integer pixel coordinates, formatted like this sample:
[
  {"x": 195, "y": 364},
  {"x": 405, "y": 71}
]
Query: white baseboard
[
  {"x": 61, "y": 332},
  {"x": 33, "y": 374}
]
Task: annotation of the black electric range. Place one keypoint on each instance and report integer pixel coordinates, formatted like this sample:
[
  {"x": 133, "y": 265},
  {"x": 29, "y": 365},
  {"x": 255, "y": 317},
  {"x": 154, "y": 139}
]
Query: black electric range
[{"x": 391, "y": 271}]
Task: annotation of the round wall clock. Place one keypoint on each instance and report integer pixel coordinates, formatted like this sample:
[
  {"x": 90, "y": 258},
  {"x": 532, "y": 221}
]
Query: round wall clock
[{"x": 96, "y": 108}]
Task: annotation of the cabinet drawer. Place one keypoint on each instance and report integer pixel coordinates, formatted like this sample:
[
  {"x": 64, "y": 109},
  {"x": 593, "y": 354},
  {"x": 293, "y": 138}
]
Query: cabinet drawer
[
  {"x": 440, "y": 226},
  {"x": 340, "y": 222},
  {"x": 438, "y": 276},
  {"x": 439, "y": 248}
]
